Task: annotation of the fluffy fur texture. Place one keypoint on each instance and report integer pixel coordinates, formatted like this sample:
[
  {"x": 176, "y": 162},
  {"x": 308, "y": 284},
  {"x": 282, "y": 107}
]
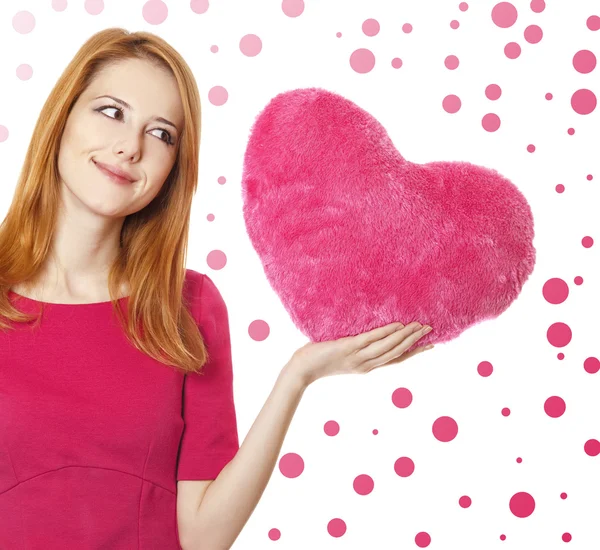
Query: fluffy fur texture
[{"x": 352, "y": 236}]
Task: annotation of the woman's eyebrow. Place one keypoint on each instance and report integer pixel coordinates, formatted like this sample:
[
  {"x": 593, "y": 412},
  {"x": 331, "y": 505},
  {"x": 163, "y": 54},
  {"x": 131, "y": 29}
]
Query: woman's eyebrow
[{"x": 125, "y": 104}]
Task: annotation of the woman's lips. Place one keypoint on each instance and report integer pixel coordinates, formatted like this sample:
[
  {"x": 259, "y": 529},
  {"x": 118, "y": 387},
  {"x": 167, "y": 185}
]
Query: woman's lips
[{"x": 113, "y": 177}]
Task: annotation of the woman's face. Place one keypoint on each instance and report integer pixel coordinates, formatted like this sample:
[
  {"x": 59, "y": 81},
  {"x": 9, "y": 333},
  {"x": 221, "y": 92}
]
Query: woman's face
[{"x": 102, "y": 129}]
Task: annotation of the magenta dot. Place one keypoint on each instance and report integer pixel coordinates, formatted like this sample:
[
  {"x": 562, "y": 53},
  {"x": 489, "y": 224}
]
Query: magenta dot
[
  {"x": 274, "y": 534},
  {"x": 504, "y": 15},
  {"x": 422, "y": 540},
  {"x": 591, "y": 365},
  {"x": 451, "y": 62},
  {"x": 519, "y": 460},
  {"x": 454, "y": 24},
  {"x": 512, "y": 50},
  {"x": 587, "y": 242},
  {"x": 94, "y": 7},
  {"x": 560, "y": 356},
  {"x": 218, "y": 95},
  {"x": 592, "y": 447},
  {"x": 548, "y": 96},
  {"x": 584, "y": 61},
  {"x": 24, "y": 72},
  {"x": 505, "y": 411},
  {"x": 578, "y": 280},
  {"x": 555, "y": 291},
  {"x": 23, "y": 22},
  {"x": 589, "y": 177},
  {"x": 593, "y": 22},
  {"x": 533, "y": 34},
  {"x": 566, "y": 537},
  {"x": 531, "y": 148},
  {"x": 490, "y": 122},
  {"x": 396, "y": 62},
  {"x": 563, "y": 496},
  {"x": 463, "y": 6},
  {"x": 155, "y": 12},
  {"x": 402, "y": 398},
  {"x": 451, "y": 104},
  {"x": 522, "y": 505},
  {"x": 407, "y": 28},
  {"x": 537, "y": 6},
  {"x": 375, "y": 431},
  {"x": 336, "y": 527},
  {"x": 404, "y": 466},
  {"x": 292, "y": 8},
  {"x": 559, "y": 335},
  {"x": 259, "y": 330},
  {"x": 493, "y": 92},
  {"x": 331, "y": 428},
  {"x": 571, "y": 131},
  {"x": 485, "y": 369},
  {"x": 371, "y": 27},
  {"x": 216, "y": 259},
  {"x": 583, "y": 101},
  {"x": 555, "y": 406},
  {"x": 560, "y": 188},
  {"x": 291, "y": 465},
  {"x": 464, "y": 501},
  {"x": 445, "y": 429},
  {"x": 363, "y": 484},
  {"x": 502, "y": 537},
  {"x": 199, "y": 6},
  {"x": 250, "y": 45},
  {"x": 362, "y": 60}
]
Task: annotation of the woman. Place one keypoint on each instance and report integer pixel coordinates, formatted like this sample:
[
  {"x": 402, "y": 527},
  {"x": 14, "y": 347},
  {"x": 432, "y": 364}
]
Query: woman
[{"x": 111, "y": 434}]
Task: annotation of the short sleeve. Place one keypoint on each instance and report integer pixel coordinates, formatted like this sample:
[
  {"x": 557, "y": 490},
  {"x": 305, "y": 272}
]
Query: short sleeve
[{"x": 210, "y": 438}]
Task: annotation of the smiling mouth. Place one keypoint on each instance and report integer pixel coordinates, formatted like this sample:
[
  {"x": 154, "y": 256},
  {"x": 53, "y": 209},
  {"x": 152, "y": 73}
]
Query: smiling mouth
[{"x": 113, "y": 177}]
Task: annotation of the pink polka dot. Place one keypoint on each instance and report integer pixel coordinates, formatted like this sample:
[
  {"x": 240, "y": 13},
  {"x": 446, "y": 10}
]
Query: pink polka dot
[
  {"x": 218, "y": 95},
  {"x": 531, "y": 148},
  {"x": 407, "y": 28},
  {"x": 59, "y": 5},
  {"x": 592, "y": 447},
  {"x": 362, "y": 60},
  {"x": 24, "y": 72},
  {"x": 512, "y": 50},
  {"x": 505, "y": 411},
  {"x": 464, "y": 501},
  {"x": 210, "y": 217},
  {"x": 216, "y": 259},
  {"x": 591, "y": 365},
  {"x": 375, "y": 431},
  {"x": 155, "y": 12},
  {"x": 422, "y": 539},
  {"x": 502, "y": 537},
  {"x": 454, "y": 24},
  {"x": 23, "y": 22},
  {"x": 578, "y": 280},
  {"x": 371, "y": 27},
  {"x": 259, "y": 330},
  {"x": 559, "y": 335},
  {"x": 221, "y": 180},
  {"x": 3, "y": 133},
  {"x": 402, "y": 398},
  {"x": 566, "y": 537},
  {"x": 363, "y": 484},
  {"x": 555, "y": 291},
  {"x": 94, "y": 7},
  {"x": 537, "y": 6},
  {"x": 533, "y": 34},
  {"x": 571, "y": 131},
  {"x": 555, "y": 406},
  {"x": 250, "y": 45},
  {"x": 291, "y": 465},
  {"x": 587, "y": 242},
  {"x": 504, "y": 15},
  {"x": 522, "y": 505},
  {"x": 584, "y": 61},
  {"x": 563, "y": 496},
  {"x": 493, "y": 92},
  {"x": 331, "y": 428},
  {"x": 292, "y": 8},
  {"x": 451, "y": 104},
  {"x": 336, "y": 527},
  {"x": 589, "y": 177},
  {"x": 214, "y": 48},
  {"x": 593, "y": 22},
  {"x": 519, "y": 460},
  {"x": 490, "y": 122},
  {"x": 451, "y": 62},
  {"x": 463, "y": 6},
  {"x": 274, "y": 534},
  {"x": 404, "y": 466},
  {"x": 560, "y": 188},
  {"x": 583, "y": 101},
  {"x": 548, "y": 96},
  {"x": 199, "y": 6},
  {"x": 445, "y": 429},
  {"x": 485, "y": 369},
  {"x": 396, "y": 63}
]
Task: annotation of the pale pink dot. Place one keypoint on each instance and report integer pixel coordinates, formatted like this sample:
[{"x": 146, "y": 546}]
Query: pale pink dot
[
  {"x": 274, "y": 534},
  {"x": 199, "y": 6},
  {"x": 3, "y": 133},
  {"x": 463, "y": 6},
  {"x": 519, "y": 460},
  {"x": 504, "y": 15},
  {"x": 587, "y": 242},
  {"x": 464, "y": 501},
  {"x": 560, "y": 188},
  {"x": 537, "y": 6},
  {"x": 210, "y": 217},
  {"x": 512, "y": 50},
  {"x": 560, "y": 356},
  {"x": 371, "y": 27},
  {"x": 533, "y": 34},
  {"x": 331, "y": 428},
  {"x": 592, "y": 447},
  {"x": 531, "y": 148},
  {"x": 94, "y": 7},
  {"x": 490, "y": 122},
  {"x": 584, "y": 61},
  {"x": 591, "y": 365},
  {"x": 583, "y": 101},
  {"x": 571, "y": 131},
  {"x": 454, "y": 24},
  {"x": 445, "y": 429},
  {"x": 291, "y": 465},
  {"x": 259, "y": 330},
  {"x": 548, "y": 96},
  {"x": 292, "y": 8},
  {"x": 336, "y": 527},
  {"x": 422, "y": 540},
  {"x": 221, "y": 180},
  {"x": 404, "y": 466},
  {"x": 338, "y": 34},
  {"x": 593, "y": 22},
  {"x": 396, "y": 62},
  {"x": 250, "y": 45},
  {"x": 24, "y": 72},
  {"x": 218, "y": 95},
  {"x": 578, "y": 280},
  {"x": 362, "y": 60},
  {"x": 155, "y": 12},
  {"x": 566, "y": 537},
  {"x": 493, "y": 92},
  {"x": 214, "y": 49},
  {"x": 451, "y": 104},
  {"x": 522, "y": 505},
  {"x": 559, "y": 335},
  {"x": 555, "y": 406},
  {"x": 485, "y": 369},
  {"x": 407, "y": 28},
  {"x": 402, "y": 398},
  {"x": 505, "y": 411},
  {"x": 216, "y": 259},
  {"x": 451, "y": 62},
  {"x": 555, "y": 290},
  {"x": 363, "y": 484},
  {"x": 23, "y": 22},
  {"x": 563, "y": 496},
  {"x": 59, "y": 5}
]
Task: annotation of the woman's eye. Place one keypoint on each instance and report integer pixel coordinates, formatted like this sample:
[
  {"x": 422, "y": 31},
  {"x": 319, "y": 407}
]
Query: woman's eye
[{"x": 168, "y": 141}]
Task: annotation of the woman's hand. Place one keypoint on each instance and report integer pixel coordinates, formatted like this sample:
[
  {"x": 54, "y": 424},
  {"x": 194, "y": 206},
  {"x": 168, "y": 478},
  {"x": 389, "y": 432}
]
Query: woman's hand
[{"x": 356, "y": 354}]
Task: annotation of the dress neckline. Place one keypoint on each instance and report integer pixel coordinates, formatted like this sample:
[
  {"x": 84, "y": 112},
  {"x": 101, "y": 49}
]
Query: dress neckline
[{"x": 88, "y": 304}]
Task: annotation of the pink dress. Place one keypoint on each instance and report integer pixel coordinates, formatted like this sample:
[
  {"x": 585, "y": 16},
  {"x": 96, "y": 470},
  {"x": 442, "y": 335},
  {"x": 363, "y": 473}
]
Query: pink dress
[{"x": 94, "y": 434}]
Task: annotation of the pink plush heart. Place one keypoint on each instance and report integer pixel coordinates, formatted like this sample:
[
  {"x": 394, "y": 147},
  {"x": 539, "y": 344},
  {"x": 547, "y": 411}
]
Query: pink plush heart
[{"x": 352, "y": 236}]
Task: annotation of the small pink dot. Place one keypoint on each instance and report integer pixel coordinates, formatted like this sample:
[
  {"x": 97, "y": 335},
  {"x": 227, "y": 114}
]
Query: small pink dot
[
  {"x": 593, "y": 22},
  {"x": 23, "y": 22},
  {"x": 259, "y": 330},
  {"x": 292, "y": 8},
  {"x": 336, "y": 527},
  {"x": 451, "y": 62},
  {"x": 155, "y": 12},
  {"x": 423, "y": 539},
  {"x": 584, "y": 61},
  {"x": 214, "y": 48},
  {"x": 3, "y": 133},
  {"x": 250, "y": 45},
  {"x": 519, "y": 460},
  {"x": 218, "y": 95},
  {"x": 331, "y": 428},
  {"x": 583, "y": 101},
  {"x": 445, "y": 429},
  {"x": 571, "y": 131},
  {"x": 24, "y": 72},
  {"x": 504, "y": 15},
  {"x": 338, "y": 34},
  {"x": 560, "y": 188},
  {"x": 59, "y": 5},
  {"x": 522, "y": 504},
  {"x": 199, "y": 6},
  {"x": 210, "y": 217},
  {"x": 216, "y": 259},
  {"x": 512, "y": 50},
  {"x": 370, "y": 27},
  {"x": 591, "y": 365},
  {"x": 454, "y": 24},
  {"x": 396, "y": 62},
  {"x": 221, "y": 180},
  {"x": 451, "y": 104},
  {"x": 505, "y": 411},
  {"x": 407, "y": 28},
  {"x": 493, "y": 92},
  {"x": 463, "y": 6},
  {"x": 578, "y": 280},
  {"x": 464, "y": 501},
  {"x": 566, "y": 537},
  {"x": 502, "y": 537},
  {"x": 375, "y": 431},
  {"x": 404, "y": 466},
  {"x": 548, "y": 96},
  {"x": 555, "y": 290},
  {"x": 537, "y": 6},
  {"x": 531, "y": 148},
  {"x": 94, "y": 7},
  {"x": 362, "y": 60},
  {"x": 363, "y": 484},
  {"x": 533, "y": 34},
  {"x": 274, "y": 534},
  {"x": 490, "y": 122},
  {"x": 563, "y": 496},
  {"x": 291, "y": 465},
  {"x": 559, "y": 335},
  {"x": 555, "y": 406},
  {"x": 592, "y": 447},
  {"x": 589, "y": 177},
  {"x": 587, "y": 242},
  {"x": 485, "y": 369},
  {"x": 560, "y": 356},
  {"x": 402, "y": 398}
]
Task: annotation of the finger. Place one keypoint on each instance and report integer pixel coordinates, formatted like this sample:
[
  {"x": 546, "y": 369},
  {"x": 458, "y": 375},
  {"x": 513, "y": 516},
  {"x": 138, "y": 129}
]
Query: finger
[
  {"x": 404, "y": 356},
  {"x": 399, "y": 349},
  {"x": 382, "y": 339}
]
